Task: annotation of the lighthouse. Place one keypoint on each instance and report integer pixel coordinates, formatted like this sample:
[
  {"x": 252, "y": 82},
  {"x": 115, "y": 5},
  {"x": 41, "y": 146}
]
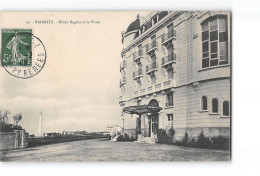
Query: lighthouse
[{"x": 40, "y": 126}]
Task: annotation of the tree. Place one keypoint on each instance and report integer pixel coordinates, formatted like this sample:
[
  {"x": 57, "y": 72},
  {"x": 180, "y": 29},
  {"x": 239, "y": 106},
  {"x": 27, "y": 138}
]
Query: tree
[
  {"x": 4, "y": 116},
  {"x": 17, "y": 118}
]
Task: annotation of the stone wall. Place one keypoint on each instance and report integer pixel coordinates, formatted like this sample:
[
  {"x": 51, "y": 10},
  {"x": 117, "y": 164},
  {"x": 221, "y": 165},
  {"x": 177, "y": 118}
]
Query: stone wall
[{"x": 13, "y": 140}]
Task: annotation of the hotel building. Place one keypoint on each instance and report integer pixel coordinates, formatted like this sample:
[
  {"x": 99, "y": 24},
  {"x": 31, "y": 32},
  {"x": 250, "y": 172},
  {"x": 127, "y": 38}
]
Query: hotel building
[{"x": 178, "y": 62}]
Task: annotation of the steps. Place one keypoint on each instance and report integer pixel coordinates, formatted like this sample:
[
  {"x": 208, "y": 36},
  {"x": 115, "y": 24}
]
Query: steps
[{"x": 149, "y": 140}]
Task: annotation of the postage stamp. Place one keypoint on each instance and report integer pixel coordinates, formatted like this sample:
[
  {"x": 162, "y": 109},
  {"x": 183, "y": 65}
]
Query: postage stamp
[{"x": 23, "y": 55}]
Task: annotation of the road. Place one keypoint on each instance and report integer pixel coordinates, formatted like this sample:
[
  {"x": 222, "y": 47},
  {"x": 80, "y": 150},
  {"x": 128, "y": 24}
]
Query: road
[{"x": 104, "y": 150}]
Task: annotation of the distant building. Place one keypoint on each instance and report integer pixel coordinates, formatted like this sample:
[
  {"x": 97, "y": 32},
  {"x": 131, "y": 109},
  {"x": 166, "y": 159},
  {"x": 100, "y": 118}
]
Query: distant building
[
  {"x": 178, "y": 64},
  {"x": 54, "y": 134},
  {"x": 113, "y": 129}
]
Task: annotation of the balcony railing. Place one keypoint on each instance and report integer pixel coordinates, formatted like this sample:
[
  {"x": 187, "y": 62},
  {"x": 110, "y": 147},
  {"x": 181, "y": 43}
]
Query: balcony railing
[
  {"x": 168, "y": 36},
  {"x": 122, "y": 81},
  {"x": 136, "y": 92},
  {"x": 158, "y": 86},
  {"x": 123, "y": 65},
  {"x": 168, "y": 104},
  {"x": 137, "y": 73},
  {"x": 151, "y": 67},
  {"x": 142, "y": 91},
  {"x": 138, "y": 54},
  {"x": 168, "y": 59},
  {"x": 149, "y": 89},
  {"x": 151, "y": 46}
]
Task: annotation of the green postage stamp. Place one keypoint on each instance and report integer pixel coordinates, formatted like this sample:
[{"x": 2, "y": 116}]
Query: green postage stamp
[
  {"x": 23, "y": 55},
  {"x": 16, "y": 47}
]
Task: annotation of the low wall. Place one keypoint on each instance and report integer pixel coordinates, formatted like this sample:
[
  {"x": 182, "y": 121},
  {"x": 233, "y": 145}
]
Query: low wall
[
  {"x": 207, "y": 131},
  {"x": 211, "y": 132},
  {"x": 34, "y": 142},
  {"x": 13, "y": 140}
]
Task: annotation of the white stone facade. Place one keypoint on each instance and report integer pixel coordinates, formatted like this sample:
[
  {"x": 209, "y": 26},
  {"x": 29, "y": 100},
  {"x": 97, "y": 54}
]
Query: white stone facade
[{"x": 185, "y": 76}]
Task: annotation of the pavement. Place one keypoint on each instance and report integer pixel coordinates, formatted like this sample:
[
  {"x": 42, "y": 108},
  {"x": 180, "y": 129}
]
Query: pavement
[{"x": 104, "y": 150}]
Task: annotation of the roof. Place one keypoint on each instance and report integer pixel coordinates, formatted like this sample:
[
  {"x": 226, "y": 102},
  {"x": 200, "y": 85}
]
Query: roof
[
  {"x": 141, "y": 109},
  {"x": 134, "y": 25}
]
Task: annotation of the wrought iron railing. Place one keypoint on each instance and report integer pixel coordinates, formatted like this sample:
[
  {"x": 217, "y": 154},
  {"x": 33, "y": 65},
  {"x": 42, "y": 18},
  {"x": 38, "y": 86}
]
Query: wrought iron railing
[
  {"x": 151, "y": 46},
  {"x": 123, "y": 80},
  {"x": 137, "y": 54},
  {"x": 169, "y": 58},
  {"x": 137, "y": 73},
  {"x": 151, "y": 66},
  {"x": 169, "y": 35},
  {"x": 167, "y": 83}
]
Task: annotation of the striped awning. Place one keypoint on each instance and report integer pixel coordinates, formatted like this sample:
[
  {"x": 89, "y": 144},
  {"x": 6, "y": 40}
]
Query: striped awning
[{"x": 141, "y": 109}]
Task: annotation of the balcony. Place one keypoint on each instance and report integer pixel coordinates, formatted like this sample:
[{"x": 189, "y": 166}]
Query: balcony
[
  {"x": 169, "y": 104},
  {"x": 152, "y": 46},
  {"x": 122, "y": 65},
  {"x": 138, "y": 55},
  {"x": 168, "y": 84},
  {"x": 168, "y": 59},
  {"x": 136, "y": 92},
  {"x": 142, "y": 91},
  {"x": 122, "y": 81},
  {"x": 150, "y": 89},
  {"x": 152, "y": 67},
  {"x": 137, "y": 73},
  {"x": 169, "y": 36},
  {"x": 156, "y": 88}
]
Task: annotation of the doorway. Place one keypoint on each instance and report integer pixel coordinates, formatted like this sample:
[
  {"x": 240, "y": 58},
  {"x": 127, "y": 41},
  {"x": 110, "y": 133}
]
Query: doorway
[{"x": 153, "y": 125}]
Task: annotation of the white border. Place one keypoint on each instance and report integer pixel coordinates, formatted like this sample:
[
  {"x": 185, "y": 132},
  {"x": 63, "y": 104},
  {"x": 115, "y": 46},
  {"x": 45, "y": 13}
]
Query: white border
[{"x": 245, "y": 95}]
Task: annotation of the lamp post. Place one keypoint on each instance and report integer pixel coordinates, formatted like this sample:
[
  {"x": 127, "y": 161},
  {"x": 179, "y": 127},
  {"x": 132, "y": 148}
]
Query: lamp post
[{"x": 40, "y": 126}]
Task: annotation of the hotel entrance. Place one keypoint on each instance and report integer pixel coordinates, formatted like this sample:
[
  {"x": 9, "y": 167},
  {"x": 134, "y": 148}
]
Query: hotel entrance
[
  {"x": 153, "y": 124},
  {"x": 151, "y": 110}
]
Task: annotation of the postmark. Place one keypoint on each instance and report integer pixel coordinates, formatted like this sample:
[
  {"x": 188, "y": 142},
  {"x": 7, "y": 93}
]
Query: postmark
[{"x": 23, "y": 55}]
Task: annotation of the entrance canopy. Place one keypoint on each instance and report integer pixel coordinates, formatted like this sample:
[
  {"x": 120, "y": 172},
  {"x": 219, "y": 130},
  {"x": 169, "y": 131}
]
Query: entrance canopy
[{"x": 141, "y": 109}]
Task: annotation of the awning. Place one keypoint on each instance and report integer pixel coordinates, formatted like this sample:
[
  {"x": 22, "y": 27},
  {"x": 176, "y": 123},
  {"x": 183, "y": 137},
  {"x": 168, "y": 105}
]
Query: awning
[{"x": 141, "y": 109}]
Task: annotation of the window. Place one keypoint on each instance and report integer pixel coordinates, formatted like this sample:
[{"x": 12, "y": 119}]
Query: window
[
  {"x": 170, "y": 73},
  {"x": 214, "y": 42},
  {"x": 226, "y": 107},
  {"x": 170, "y": 50},
  {"x": 170, "y": 30},
  {"x": 214, "y": 105},
  {"x": 169, "y": 99},
  {"x": 153, "y": 80},
  {"x": 155, "y": 20},
  {"x": 204, "y": 103},
  {"x": 170, "y": 120},
  {"x": 162, "y": 14},
  {"x": 140, "y": 50},
  {"x": 139, "y": 85},
  {"x": 153, "y": 59},
  {"x": 149, "y": 24}
]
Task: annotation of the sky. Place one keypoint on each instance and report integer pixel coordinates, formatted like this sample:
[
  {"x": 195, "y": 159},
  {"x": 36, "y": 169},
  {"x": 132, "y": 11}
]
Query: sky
[{"x": 78, "y": 88}]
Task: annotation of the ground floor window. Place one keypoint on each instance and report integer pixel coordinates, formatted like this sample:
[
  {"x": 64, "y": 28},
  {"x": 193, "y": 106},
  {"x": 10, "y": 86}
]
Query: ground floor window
[
  {"x": 169, "y": 99},
  {"x": 170, "y": 121},
  {"x": 204, "y": 103},
  {"x": 214, "y": 105},
  {"x": 226, "y": 108}
]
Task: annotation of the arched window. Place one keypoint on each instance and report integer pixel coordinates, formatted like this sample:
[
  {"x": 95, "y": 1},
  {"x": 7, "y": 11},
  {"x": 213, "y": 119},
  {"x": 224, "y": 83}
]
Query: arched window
[
  {"x": 226, "y": 108},
  {"x": 204, "y": 103},
  {"x": 214, "y": 105}
]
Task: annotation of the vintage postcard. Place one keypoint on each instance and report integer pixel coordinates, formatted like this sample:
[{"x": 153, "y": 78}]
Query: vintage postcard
[{"x": 115, "y": 86}]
